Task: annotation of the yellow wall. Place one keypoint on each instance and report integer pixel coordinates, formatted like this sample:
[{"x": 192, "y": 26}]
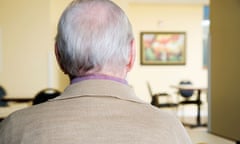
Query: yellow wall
[
  {"x": 59, "y": 80},
  {"x": 29, "y": 29},
  {"x": 25, "y": 41}
]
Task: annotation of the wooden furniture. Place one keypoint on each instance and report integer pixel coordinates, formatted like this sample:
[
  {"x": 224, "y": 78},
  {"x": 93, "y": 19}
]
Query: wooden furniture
[
  {"x": 14, "y": 104},
  {"x": 2, "y": 94},
  {"x": 199, "y": 90},
  {"x": 45, "y": 94},
  {"x": 155, "y": 98},
  {"x": 17, "y": 99}
]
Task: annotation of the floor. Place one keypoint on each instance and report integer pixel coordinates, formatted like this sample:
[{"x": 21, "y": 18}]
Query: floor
[{"x": 201, "y": 136}]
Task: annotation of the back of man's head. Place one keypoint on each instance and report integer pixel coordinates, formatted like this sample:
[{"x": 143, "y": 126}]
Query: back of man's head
[{"x": 93, "y": 36}]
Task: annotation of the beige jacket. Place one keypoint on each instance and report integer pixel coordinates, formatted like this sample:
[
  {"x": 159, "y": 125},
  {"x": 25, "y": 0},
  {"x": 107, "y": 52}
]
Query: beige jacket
[{"x": 93, "y": 112}]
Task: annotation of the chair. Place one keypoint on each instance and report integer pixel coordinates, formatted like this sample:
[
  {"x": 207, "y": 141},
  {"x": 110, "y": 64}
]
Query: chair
[
  {"x": 187, "y": 94},
  {"x": 45, "y": 94},
  {"x": 2, "y": 94},
  {"x": 155, "y": 99}
]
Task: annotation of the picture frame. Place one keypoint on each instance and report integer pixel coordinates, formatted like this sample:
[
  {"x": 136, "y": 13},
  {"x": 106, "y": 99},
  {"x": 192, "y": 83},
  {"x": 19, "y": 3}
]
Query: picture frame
[{"x": 163, "y": 48}]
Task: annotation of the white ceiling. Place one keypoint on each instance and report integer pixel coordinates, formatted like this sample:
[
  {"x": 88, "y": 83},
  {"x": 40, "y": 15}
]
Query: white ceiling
[{"x": 173, "y": 1}]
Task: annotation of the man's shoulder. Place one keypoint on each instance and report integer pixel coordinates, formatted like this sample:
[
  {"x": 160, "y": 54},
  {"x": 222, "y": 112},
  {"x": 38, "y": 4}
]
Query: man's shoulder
[
  {"x": 157, "y": 114},
  {"x": 134, "y": 116},
  {"x": 24, "y": 114}
]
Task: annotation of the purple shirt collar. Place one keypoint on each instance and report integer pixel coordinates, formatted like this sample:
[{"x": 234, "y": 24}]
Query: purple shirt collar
[{"x": 98, "y": 76}]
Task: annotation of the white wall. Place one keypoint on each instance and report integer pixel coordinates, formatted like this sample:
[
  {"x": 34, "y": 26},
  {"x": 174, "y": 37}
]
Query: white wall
[{"x": 187, "y": 18}]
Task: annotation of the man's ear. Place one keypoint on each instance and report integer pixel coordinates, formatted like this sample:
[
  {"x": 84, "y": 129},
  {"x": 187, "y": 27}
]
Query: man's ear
[
  {"x": 58, "y": 58},
  {"x": 132, "y": 55}
]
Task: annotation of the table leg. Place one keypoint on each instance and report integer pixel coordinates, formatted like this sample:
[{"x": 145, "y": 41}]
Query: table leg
[
  {"x": 198, "y": 124},
  {"x": 198, "y": 118},
  {"x": 199, "y": 108}
]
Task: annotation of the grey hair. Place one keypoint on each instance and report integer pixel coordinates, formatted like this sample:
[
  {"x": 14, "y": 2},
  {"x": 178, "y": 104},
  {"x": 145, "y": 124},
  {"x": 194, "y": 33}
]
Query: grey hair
[{"x": 93, "y": 34}]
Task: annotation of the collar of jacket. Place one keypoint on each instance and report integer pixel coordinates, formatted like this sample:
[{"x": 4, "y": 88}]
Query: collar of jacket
[{"x": 99, "y": 88}]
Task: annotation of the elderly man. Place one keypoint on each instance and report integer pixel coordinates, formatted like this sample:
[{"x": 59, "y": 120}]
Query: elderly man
[{"x": 95, "y": 48}]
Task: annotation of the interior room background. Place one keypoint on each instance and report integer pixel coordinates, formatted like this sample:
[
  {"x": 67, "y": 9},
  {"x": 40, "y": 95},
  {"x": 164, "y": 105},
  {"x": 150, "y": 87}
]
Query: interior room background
[{"x": 28, "y": 28}]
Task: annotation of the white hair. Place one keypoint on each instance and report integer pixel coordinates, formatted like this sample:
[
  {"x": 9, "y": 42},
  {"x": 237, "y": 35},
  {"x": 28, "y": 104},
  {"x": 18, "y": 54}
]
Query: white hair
[{"x": 92, "y": 35}]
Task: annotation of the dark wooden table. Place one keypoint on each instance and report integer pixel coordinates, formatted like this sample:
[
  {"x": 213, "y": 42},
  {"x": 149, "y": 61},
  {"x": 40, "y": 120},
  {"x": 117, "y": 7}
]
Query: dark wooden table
[
  {"x": 17, "y": 99},
  {"x": 199, "y": 90}
]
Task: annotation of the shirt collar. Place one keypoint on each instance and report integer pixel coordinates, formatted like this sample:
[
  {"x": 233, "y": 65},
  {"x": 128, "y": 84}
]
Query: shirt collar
[{"x": 100, "y": 77}]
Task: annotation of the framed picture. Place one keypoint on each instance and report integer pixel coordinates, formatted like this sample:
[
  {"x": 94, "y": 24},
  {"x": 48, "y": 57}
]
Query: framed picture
[{"x": 163, "y": 48}]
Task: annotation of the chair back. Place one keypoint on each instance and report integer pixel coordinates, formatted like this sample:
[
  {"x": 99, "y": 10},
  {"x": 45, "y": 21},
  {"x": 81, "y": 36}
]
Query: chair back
[
  {"x": 2, "y": 94},
  {"x": 186, "y": 93},
  {"x": 45, "y": 94},
  {"x": 154, "y": 99},
  {"x": 149, "y": 89}
]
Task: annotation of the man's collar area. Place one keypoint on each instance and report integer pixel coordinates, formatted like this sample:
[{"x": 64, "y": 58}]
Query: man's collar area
[{"x": 99, "y": 88}]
